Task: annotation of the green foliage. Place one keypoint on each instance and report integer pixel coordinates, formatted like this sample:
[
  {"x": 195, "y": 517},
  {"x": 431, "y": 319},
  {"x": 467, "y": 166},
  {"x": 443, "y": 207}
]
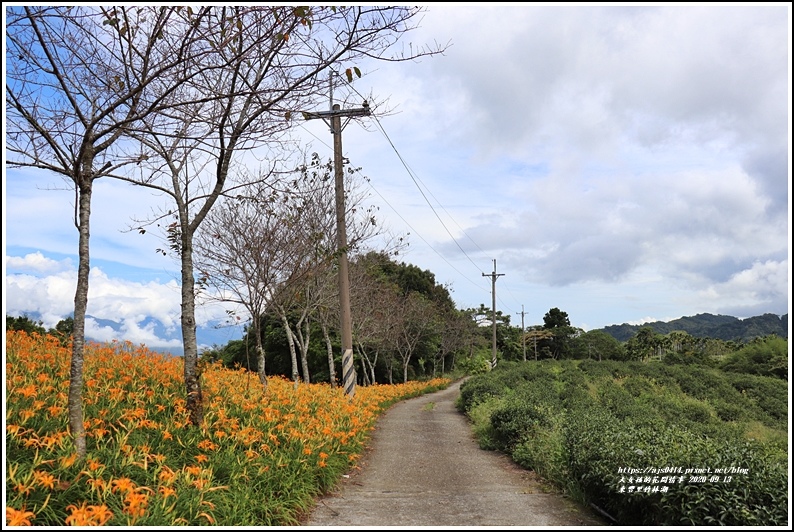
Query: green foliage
[
  {"x": 765, "y": 395},
  {"x": 24, "y": 323},
  {"x": 765, "y": 356},
  {"x": 480, "y": 416},
  {"x": 596, "y": 428},
  {"x": 478, "y": 389},
  {"x": 557, "y": 323},
  {"x": 408, "y": 277},
  {"x": 556, "y": 318},
  {"x": 532, "y": 406},
  {"x": 477, "y": 364},
  {"x": 596, "y": 345}
]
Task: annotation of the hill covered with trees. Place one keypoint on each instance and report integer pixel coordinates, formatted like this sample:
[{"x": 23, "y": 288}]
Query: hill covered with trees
[{"x": 720, "y": 327}]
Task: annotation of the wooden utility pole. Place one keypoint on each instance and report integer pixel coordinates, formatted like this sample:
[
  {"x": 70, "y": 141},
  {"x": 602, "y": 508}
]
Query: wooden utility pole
[
  {"x": 523, "y": 333},
  {"x": 335, "y": 115},
  {"x": 493, "y": 277}
]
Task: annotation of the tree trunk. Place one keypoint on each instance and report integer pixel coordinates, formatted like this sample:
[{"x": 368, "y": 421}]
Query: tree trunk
[
  {"x": 75, "y": 401},
  {"x": 330, "y": 348},
  {"x": 292, "y": 353},
  {"x": 367, "y": 365},
  {"x": 364, "y": 373},
  {"x": 260, "y": 353},
  {"x": 195, "y": 403},
  {"x": 362, "y": 358},
  {"x": 372, "y": 367},
  {"x": 303, "y": 343}
]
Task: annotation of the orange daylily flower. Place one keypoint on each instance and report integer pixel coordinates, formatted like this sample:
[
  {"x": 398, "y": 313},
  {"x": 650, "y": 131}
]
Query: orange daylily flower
[
  {"x": 135, "y": 504},
  {"x": 193, "y": 470},
  {"x": 167, "y": 475},
  {"x": 123, "y": 485},
  {"x": 166, "y": 491},
  {"x": 44, "y": 479},
  {"x": 88, "y": 515},
  {"x": 67, "y": 461},
  {"x": 18, "y": 517}
]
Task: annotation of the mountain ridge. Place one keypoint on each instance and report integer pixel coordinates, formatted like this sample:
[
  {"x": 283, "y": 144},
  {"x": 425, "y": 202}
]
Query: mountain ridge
[{"x": 717, "y": 326}]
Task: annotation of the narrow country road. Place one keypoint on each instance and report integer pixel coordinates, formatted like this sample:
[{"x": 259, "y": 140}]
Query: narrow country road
[{"x": 423, "y": 467}]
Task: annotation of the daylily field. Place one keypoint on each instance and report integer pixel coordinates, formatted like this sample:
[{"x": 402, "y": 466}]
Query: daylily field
[{"x": 259, "y": 459}]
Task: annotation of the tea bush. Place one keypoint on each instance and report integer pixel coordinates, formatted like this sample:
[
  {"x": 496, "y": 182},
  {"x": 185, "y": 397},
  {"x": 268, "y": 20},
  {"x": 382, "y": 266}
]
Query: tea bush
[
  {"x": 478, "y": 389},
  {"x": 648, "y": 444},
  {"x": 769, "y": 394}
]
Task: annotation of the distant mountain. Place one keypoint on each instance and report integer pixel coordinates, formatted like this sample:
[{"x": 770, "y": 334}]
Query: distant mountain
[{"x": 710, "y": 326}]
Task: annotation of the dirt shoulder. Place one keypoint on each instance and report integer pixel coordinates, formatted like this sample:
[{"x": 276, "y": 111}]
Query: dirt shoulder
[{"x": 422, "y": 467}]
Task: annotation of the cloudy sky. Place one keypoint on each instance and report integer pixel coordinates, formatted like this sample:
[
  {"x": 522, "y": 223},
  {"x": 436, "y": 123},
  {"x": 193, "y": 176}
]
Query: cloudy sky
[{"x": 623, "y": 164}]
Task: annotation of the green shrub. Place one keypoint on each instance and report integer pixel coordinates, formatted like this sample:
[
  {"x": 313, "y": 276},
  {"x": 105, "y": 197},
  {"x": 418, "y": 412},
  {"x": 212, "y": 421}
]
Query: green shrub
[
  {"x": 769, "y": 394},
  {"x": 615, "y": 399},
  {"x": 479, "y": 388},
  {"x": 480, "y": 416},
  {"x": 543, "y": 451},
  {"x": 766, "y": 357},
  {"x": 518, "y": 418},
  {"x": 603, "y": 368},
  {"x": 637, "y": 385},
  {"x": 583, "y": 427},
  {"x": 756, "y": 497},
  {"x": 729, "y": 411}
]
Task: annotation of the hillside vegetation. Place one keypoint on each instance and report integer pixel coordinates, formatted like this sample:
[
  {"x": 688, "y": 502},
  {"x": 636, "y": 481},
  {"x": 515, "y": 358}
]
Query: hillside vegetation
[
  {"x": 727, "y": 328},
  {"x": 645, "y": 443}
]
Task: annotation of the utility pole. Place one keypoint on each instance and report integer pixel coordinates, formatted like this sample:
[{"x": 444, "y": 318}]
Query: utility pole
[
  {"x": 523, "y": 333},
  {"x": 493, "y": 277},
  {"x": 335, "y": 115}
]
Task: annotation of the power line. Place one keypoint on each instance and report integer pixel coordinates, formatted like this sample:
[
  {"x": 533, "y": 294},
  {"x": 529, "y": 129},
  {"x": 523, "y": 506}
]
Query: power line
[
  {"x": 417, "y": 182},
  {"x": 417, "y": 233},
  {"x": 414, "y": 179}
]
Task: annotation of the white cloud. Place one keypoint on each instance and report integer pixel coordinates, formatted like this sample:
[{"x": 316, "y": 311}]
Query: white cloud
[
  {"x": 130, "y": 300},
  {"x": 130, "y": 331},
  {"x": 52, "y": 296},
  {"x": 620, "y": 162},
  {"x": 37, "y": 262},
  {"x": 762, "y": 285},
  {"x": 131, "y": 305}
]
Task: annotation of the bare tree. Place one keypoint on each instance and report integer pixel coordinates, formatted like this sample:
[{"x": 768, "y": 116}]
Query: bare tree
[
  {"x": 270, "y": 249},
  {"x": 320, "y": 237},
  {"x": 415, "y": 322},
  {"x": 374, "y": 318},
  {"x": 77, "y": 78},
  {"x": 266, "y": 63},
  {"x": 327, "y": 310},
  {"x": 243, "y": 250},
  {"x": 454, "y": 333}
]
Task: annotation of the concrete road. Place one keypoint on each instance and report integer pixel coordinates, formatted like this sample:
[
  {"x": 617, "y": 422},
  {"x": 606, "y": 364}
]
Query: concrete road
[{"x": 422, "y": 467}]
